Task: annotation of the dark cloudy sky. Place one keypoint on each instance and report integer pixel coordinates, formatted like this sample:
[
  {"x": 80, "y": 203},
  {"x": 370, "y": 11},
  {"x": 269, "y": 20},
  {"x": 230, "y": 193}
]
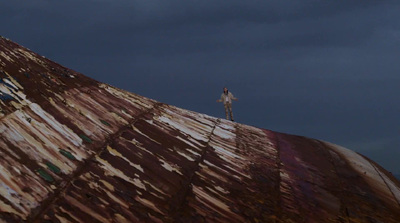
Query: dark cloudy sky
[{"x": 322, "y": 69}]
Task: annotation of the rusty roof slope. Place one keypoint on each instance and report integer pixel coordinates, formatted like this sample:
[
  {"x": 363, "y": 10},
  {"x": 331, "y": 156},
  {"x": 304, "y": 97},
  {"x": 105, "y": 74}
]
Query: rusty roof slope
[{"x": 76, "y": 150}]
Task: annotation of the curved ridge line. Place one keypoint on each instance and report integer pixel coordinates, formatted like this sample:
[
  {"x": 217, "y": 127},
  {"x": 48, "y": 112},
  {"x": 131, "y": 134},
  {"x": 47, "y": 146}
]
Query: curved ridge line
[{"x": 387, "y": 185}]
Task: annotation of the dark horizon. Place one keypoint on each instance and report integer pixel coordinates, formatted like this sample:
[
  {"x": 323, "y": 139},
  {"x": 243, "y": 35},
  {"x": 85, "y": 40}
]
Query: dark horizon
[{"x": 325, "y": 70}]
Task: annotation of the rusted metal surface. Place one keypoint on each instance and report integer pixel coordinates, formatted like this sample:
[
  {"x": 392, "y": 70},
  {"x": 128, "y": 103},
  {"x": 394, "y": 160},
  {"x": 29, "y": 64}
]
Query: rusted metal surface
[{"x": 76, "y": 150}]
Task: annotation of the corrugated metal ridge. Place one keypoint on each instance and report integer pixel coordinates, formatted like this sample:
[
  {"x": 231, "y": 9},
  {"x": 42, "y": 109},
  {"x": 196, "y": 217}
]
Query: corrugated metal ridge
[{"x": 76, "y": 150}]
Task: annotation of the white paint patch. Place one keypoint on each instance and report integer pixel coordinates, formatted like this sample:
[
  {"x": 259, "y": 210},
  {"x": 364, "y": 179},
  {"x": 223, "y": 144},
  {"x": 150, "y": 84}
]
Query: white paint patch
[
  {"x": 169, "y": 167},
  {"x": 193, "y": 152},
  {"x": 148, "y": 204},
  {"x": 41, "y": 141},
  {"x": 156, "y": 189},
  {"x": 227, "y": 126},
  {"x": 30, "y": 56},
  {"x": 185, "y": 155},
  {"x": 239, "y": 171},
  {"x": 206, "y": 170},
  {"x": 62, "y": 129},
  {"x": 183, "y": 128},
  {"x": 69, "y": 214},
  {"x": 5, "y": 89},
  {"x": 5, "y": 56},
  {"x": 222, "y": 190},
  {"x": 189, "y": 143},
  {"x": 226, "y": 153},
  {"x": 8, "y": 191},
  {"x": 202, "y": 121},
  {"x": 112, "y": 171},
  {"x": 10, "y": 83},
  {"x": 116, "y": 153},
  {"x": 127, "y": 114},
  {"x": 13, "y": 192},
  {"x": 128, "y": 97},
  {"x": 8, "y": 209},
  {"x": 211, "y": 201},
  {"x": 223, "y": 133}
]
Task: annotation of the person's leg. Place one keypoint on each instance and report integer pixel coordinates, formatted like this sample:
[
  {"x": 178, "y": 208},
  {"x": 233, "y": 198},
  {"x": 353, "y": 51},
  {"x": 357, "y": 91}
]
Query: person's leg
[
  {"x": 230, "y": 111},
  {"x": 226, "y": 111}
]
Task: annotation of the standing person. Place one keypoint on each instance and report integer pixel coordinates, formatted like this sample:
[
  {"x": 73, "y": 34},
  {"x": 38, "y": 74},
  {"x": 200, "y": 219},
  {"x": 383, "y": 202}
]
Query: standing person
[{"x": 226, "y": 98}]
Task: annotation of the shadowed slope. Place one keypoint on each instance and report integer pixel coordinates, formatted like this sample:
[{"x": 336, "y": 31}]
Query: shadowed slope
[{"x": 76, "y": 150}]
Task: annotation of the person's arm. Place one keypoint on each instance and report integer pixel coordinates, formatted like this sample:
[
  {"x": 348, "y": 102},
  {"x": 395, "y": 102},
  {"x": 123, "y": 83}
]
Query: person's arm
[
  {"x": 220, "y": 100},
  {"x": 233, "y": 97}
]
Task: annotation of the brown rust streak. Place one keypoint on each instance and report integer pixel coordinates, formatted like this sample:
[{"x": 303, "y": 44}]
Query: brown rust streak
[
  {"x": 46, "y": 204},
  {"x": 262, "y": 203},
  {"x": 308, "y": 191},
  {"x": 284, "y": 214}
]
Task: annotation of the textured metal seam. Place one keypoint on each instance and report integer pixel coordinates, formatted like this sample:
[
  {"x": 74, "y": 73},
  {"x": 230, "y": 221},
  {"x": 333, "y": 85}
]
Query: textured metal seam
[
  {"x": 81, "y": 168},
  {"x": 279, "y": 163},
  {"x": 207, "y": 145},
  {"x": 340, "y": 181}
]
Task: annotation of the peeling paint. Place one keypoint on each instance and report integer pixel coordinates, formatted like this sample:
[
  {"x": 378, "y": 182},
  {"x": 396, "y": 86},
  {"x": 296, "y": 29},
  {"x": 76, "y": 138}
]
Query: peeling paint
[{"x": 76, "y": 150}]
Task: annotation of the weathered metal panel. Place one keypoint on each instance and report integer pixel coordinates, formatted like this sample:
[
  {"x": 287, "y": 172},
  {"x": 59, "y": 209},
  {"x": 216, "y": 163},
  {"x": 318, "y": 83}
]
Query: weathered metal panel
[{"x": 76, "y": 150}]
